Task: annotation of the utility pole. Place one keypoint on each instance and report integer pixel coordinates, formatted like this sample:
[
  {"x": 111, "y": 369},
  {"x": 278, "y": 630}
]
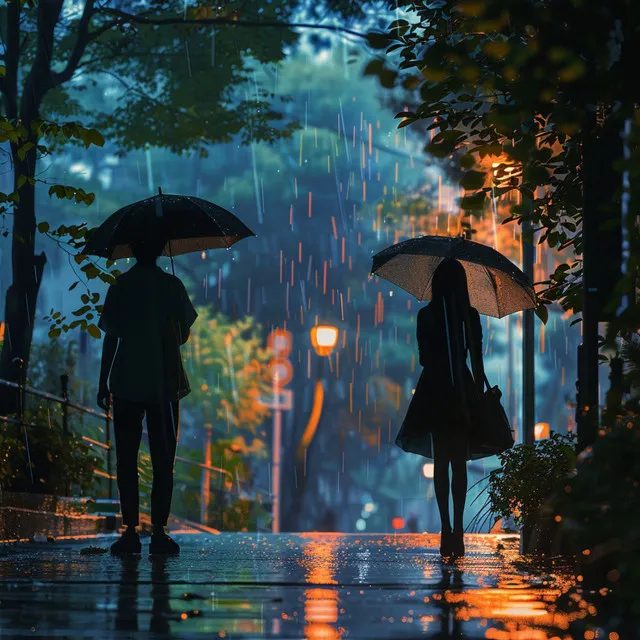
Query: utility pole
[
  {"x": 528, "y": 342},
  {"x": 602, "y": 252}
]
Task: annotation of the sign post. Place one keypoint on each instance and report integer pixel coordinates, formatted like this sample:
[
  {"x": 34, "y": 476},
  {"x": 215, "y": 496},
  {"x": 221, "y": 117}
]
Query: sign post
[{"x": 280, "y": 341}]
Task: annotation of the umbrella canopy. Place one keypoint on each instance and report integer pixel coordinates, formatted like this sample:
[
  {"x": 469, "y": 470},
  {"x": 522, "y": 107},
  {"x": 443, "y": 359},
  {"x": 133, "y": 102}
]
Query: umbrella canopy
[
  {"x": 496, "y": 286},
  {"x": 188, "y": 223}
]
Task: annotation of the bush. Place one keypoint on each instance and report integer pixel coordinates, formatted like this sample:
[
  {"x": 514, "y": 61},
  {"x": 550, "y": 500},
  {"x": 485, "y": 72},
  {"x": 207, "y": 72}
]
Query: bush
[
  {"x": 600, "y": 510},
  {"x": 529, "y": 474},
  {"x": 58, "y": 462}
]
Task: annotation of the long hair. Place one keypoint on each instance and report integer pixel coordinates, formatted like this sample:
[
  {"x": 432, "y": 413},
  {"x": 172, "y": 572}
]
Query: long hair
[
  {"x": 451, "y": 293},
  {"x": 450, "y": 285}
]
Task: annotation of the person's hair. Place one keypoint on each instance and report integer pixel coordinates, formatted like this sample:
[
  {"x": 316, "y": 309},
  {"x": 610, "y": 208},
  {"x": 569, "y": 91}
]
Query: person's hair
[
  {"x": 147, "y": 249},
  {"x": 450, "y": 283}
]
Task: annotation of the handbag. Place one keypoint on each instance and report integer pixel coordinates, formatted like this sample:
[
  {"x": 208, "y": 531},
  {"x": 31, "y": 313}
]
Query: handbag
[{"x": 492, "y": 434}]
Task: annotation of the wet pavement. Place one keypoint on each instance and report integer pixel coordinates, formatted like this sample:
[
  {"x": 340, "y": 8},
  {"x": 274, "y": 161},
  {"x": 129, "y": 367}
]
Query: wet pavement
[{"x": 315, "y": 586}]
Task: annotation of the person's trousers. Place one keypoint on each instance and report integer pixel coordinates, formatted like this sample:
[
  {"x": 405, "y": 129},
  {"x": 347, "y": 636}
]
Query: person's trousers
[{"x": 162, "y": 428}]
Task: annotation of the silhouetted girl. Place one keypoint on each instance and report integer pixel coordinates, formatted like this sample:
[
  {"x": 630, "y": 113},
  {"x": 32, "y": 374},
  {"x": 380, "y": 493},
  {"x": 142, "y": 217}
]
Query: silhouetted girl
[{"x": 440, "y": 416}]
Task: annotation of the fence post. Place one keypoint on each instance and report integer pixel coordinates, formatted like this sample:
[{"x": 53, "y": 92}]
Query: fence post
[
  {"x": 109, "y": 450},
  {"x": 22, "y": 383},
  {"x": 21, "y": 386},
  {"x": 64, "y": 383}
]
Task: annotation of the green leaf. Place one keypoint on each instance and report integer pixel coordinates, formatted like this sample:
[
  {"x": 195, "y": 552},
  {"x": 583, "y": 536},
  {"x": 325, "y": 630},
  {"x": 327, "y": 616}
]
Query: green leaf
[
  {"x": 81, "y": 311},
  {"x": 467, "y": 161},
  {"x": 43, "y": 227},
  {"x": 24, "y": 149},
  {"x": 74, "y": 285},
  {"x": 542, "y": 312},
  {"x": 474, "y": 202},
  {"x": 91, "y": 271},
  {"x": 107, "y": 277},
  {"x": 473, "y": 180},
  {"x": 94, "y": 332},
  {"x": 55, "y": 332},
  {"x": 378, "y": 40}
]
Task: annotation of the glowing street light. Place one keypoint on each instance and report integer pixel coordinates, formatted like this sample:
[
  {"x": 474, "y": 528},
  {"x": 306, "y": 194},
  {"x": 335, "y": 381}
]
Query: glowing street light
[
  {"x": 542, "y": 430},
  {"x": 324, "y": 338},
  {"x": 427, "y": 470}
]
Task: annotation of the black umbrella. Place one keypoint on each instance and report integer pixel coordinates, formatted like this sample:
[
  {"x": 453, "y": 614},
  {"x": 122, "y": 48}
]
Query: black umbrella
[
  {"x": 188, "y": 223},
  {"x": 496, "y": 286}
]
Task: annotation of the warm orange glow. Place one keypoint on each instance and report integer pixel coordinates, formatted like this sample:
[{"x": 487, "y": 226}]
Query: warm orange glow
[
  {"x": 321, "y": 607},
  {"x": 314, "y": 418},
  {"x": 397, "y": 523},
  {"x": 1, "y": 331},
  {"x": 542, "y": 430},
  {"x": 324, "y": 338}
]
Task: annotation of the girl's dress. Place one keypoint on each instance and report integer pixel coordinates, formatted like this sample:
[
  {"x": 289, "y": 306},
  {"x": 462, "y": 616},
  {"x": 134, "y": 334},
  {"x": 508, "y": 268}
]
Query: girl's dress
[{"x": 446, "y": 396}]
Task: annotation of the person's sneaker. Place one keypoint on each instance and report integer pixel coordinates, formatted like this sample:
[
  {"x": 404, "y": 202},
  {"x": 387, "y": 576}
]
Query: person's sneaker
[
  {"x": 162, "y": 544},
  {"x": 129, "y": 542}
]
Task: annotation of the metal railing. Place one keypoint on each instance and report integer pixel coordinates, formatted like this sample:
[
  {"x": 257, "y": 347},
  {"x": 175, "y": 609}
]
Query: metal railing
[
  {"x": 65, "y": 404},
  {"x": 105, "y": 445}
]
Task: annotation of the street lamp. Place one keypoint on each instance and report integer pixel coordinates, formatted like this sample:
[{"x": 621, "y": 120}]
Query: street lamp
[
  {"x": 542, "y": 430},
  {"x": 324, "y": 338},
  {"x": 427, "y": 470}
]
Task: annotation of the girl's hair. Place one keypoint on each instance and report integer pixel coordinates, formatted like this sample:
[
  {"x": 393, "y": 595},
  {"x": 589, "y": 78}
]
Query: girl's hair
[
  {"x": 450, "y": 281},
  {"x": 450, "y": 284}
]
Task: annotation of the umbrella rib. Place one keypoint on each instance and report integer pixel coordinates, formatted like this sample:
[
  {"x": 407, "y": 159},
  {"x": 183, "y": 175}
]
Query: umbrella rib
[
  {"x": 225, "y": 232},
  {"x": 426, "y": 286},
  {"x": 495, "y": 288}
]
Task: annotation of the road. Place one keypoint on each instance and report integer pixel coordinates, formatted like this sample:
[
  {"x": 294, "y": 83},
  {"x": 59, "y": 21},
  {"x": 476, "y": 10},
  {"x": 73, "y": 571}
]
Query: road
[{"x": 314, "y": 586}]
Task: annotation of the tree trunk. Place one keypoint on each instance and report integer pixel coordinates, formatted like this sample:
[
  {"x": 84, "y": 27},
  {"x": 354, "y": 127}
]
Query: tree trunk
[
  {"x": 27, "y": 268},
  {"x": 22, "y": 294}
]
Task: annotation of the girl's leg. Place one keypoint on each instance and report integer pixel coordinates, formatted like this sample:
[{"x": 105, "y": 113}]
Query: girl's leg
[
  {"x": 458, "y": 454},
  {"x": 441, "y": 479}
]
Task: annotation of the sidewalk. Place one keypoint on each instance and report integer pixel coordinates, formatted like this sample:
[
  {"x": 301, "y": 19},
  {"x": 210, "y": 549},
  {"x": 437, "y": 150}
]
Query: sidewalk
[
  {"x": 26, "y": 517},
  {"x": 316, "y": 586}
]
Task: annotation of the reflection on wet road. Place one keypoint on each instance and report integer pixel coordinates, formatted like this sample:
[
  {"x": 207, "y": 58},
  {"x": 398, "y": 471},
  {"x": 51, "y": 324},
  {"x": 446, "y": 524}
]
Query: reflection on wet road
[{"x": 315, "y": 586}]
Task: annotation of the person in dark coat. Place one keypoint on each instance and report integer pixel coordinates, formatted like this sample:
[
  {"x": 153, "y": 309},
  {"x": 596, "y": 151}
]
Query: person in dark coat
[
  {"x": 440, "y": 417},
  {"x": 146, "y": 316}
]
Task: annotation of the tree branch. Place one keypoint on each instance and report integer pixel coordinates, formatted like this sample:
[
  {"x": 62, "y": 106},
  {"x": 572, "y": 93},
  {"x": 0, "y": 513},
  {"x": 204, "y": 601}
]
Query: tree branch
[
  {"x": 40, "y": 78},
  {"x": 85, "y": 37},
  {"x": 9, "y": 84},
  {"x": 139, "y": 19},
  {"x": 82, "y": 40}
]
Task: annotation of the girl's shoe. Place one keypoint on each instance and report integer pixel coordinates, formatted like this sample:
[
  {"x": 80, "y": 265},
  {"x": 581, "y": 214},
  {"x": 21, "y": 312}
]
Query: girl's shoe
[
  {"x": 128, "y": 543},
  {"x": 458, "y": 543},
  {"x": 446, "y": 543},
  {"x": 162, "y": 544}
]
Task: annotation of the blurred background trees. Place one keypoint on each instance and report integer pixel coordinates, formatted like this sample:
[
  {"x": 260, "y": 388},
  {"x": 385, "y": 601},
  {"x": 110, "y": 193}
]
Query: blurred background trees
[{"x": 340, "y": 186}]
